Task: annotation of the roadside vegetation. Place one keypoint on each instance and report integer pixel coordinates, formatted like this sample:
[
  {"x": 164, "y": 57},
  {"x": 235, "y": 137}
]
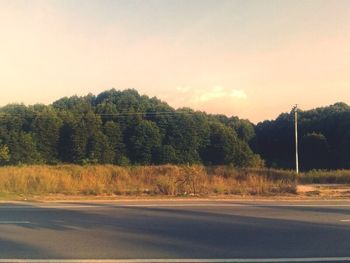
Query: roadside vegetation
[
  {"x": 124, "y": 143},
  {"x": 161, "y": 180},
  {"x": 326, "y": 177},
  {"x": 167, "y": 180}
]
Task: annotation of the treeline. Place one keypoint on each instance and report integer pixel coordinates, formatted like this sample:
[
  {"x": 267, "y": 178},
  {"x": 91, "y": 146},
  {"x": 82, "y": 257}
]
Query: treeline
[
  {"x": 324, "y": 139},
  {"x": 121, "y": 127},
  {"x": 124, "y": 127}
]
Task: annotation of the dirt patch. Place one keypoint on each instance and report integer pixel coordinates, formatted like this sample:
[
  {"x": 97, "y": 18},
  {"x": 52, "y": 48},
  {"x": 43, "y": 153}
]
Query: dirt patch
[
  {"x": 304, "y": 192},
  {"x": 324, "y": 190}
]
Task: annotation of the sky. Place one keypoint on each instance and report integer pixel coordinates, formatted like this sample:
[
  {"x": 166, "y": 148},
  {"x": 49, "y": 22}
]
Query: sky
[{"x": 249, "y": 58}]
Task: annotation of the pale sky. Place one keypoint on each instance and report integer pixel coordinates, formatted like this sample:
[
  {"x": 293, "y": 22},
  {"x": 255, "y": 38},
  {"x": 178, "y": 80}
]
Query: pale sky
[{"x": 253, "y": 59}]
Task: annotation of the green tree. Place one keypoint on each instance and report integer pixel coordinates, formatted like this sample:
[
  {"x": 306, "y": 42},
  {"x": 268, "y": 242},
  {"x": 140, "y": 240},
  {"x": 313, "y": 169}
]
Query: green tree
[
  {"x": 322, "y": 131},
  {"x": 314, "y": 152},
  {"x": 144, "y": 143},
  {"x": 65, "y": 142},
  {"x": 99, "y": 150},
  {"x": 115, "y": 141},
  {"x": 23, "y": 149},
  {"x": 168, "y": 155},
  {"x": 4, "y": 154},
  {"x": 86, "y": 133},
  {"x": 183, "y": 134},
  {"x": 226, "y": 148},
  {"x": 46, "y": 130}
]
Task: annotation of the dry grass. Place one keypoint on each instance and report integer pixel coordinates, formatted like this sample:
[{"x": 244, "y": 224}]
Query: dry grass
[
  {"x": 167, "y": 180},
  {"x": 326, "y": 177}
]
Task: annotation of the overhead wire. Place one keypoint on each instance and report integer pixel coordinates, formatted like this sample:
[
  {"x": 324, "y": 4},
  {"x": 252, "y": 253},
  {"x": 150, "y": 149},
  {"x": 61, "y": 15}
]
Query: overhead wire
[{"x": 112, "y": 115}]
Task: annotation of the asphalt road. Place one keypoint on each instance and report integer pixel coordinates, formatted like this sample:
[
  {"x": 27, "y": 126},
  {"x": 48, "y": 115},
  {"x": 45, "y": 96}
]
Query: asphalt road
[{"x": 180, "y": 231}]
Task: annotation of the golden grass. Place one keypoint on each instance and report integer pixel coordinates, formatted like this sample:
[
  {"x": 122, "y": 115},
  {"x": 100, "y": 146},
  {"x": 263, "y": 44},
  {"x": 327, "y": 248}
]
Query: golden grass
[{"x": 170, "y": 180}]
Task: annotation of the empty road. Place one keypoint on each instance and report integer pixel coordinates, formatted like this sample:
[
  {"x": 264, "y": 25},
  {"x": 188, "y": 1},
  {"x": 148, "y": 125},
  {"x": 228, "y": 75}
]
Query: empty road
[{"x": 175, "y": 231}]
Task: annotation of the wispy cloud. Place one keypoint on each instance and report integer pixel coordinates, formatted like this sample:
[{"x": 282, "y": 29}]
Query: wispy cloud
[
  {"x": 196, "y": 95},
  {"x": 182, "y": 89},
  {"x": 238, "y": 93}
]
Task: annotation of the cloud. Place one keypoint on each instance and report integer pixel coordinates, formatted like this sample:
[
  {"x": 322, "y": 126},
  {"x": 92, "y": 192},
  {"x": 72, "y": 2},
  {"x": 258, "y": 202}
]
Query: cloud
[
  {"x": 238, "y": 93},
  {"x": 183, "y": 89},
  {"x": 217, "y": 92}
]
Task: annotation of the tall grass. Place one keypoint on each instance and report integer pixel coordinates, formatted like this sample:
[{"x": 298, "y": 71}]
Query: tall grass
[
  {"x": 167, "y": 180},
  {"x": 326, "y": 177}
]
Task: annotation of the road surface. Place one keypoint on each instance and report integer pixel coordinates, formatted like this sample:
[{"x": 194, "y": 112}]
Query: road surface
[{"x": 175, "y": 231}]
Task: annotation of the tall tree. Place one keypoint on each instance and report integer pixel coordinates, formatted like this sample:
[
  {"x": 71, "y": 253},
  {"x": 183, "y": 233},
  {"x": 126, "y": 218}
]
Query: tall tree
[
  {"x": 46, "y": 130},
  {"x": 144, "y": 143},
  {"x": 115, "y": 140},
  {"x": 23, "y": 149},
  {"x": 314, "y": 152}
]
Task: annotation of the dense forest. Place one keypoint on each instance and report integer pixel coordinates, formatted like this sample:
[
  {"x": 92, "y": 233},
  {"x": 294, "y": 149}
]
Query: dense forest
[
  {"x": 121, "y": 127},
  {"x": 324, "y": 139},
  {"x": 124, "y": 127}
]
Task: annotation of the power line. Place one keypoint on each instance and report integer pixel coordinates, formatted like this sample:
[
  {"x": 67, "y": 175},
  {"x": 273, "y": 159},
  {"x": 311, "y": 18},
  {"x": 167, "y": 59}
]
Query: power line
[{"x": 121, "y": 114}]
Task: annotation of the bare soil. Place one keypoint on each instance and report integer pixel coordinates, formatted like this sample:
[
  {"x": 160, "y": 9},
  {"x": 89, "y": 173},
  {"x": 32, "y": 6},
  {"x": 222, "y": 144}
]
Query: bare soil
[
  {"x": 304, "y": 192},
  {"x": 339, "y": 191}
]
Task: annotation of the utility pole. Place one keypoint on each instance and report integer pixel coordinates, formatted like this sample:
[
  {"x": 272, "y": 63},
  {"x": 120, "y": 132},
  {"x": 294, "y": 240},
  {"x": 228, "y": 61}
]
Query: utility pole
[{"x": 296, "y": 138}]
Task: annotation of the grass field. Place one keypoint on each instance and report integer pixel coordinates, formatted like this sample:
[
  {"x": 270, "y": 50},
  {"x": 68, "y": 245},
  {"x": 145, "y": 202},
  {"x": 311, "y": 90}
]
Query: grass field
[
  {"x": 168, "y": 180},
  {"x": 326, "y": 177},
  {"x": 164, "y": 180}
]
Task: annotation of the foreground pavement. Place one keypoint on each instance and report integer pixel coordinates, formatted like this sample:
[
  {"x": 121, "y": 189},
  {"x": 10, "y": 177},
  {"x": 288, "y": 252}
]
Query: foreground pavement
[{"x": 176, "y": 231}]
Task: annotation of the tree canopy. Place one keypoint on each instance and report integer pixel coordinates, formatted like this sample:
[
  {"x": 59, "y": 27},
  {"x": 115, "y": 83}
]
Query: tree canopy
[
  {"x": 324, "y": 139},
  {"x": 121, "y": 127},
  {"x": 124, "y": 127}
]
